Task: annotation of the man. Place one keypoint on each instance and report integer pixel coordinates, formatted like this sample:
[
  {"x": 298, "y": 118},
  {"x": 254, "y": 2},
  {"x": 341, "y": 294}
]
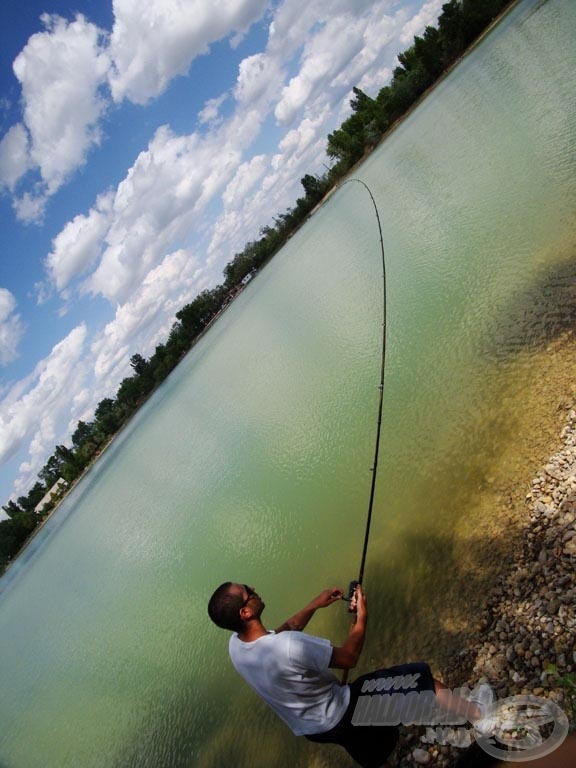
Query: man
[{"x": 290, "y": 671}]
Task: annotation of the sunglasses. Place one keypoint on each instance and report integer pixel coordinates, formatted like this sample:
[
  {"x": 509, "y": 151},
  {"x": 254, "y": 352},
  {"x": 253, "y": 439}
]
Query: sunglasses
[{"x": 250, "y": 592}]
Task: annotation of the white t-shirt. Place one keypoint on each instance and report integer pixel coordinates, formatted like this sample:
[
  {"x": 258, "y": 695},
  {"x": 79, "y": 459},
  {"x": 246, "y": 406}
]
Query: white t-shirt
[{"x": 290, "y": 671}]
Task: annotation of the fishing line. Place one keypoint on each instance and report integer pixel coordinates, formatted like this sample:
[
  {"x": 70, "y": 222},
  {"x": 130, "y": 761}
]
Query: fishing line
[{"x": 374, "y": 468}]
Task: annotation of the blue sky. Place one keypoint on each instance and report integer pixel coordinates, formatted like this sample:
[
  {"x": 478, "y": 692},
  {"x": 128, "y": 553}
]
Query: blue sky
[{"x": 141, "y": 146}]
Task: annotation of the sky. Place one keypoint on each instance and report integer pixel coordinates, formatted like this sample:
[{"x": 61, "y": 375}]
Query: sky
[{"x": 142, "y": 145}]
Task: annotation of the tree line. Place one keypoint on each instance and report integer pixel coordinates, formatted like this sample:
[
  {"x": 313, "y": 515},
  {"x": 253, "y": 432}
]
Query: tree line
[{"x": 459, "y": 24}]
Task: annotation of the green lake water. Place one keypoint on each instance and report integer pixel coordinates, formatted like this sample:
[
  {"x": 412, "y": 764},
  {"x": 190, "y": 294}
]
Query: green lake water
[{"x": 251, "y": 463}]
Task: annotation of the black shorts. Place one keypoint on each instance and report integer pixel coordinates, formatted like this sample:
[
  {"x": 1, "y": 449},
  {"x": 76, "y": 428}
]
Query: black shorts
[{"x": 369, "y": 746}]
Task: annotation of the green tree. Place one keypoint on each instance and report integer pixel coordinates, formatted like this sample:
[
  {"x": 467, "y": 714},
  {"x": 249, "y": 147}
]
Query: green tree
[
  {"x": 140, "y": 366},
  {"x": 51, "y": 471},
  {"x": 70, "y": 467},
  {"x": 239, "y": 267},
  {"x": 313, "y": 187},
  {"x": 86, "y": 442},
  {"x": 12, "y": 509},
  {"x": 106, "y": 417},
  {"x": 28, "y": 503},
  {"x": 129, "y": 394},
  {"x": 194, "y": 317},
  {"x": 428, "y": 51},
  {"x": 163, "y": 362},
  {"x": 82, "y": 433},
  {"x": 11, "y": 538}
]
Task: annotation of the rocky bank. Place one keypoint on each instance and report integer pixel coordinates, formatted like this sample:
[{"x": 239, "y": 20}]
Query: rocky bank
[{"x": 527, "y": 631}]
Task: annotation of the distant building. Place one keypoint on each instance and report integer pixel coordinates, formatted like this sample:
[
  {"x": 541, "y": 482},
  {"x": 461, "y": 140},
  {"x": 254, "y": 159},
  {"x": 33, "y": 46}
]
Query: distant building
[{"x": 56, "y": 489}]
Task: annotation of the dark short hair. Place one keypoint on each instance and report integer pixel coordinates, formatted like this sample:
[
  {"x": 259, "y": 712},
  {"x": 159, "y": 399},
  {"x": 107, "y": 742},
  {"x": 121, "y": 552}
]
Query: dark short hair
[{"x": 224, "y": 608}]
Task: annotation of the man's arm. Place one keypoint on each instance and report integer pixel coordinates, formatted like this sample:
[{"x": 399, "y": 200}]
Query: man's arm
[
  {"x": 300, "y": 619},
  {"x": 347, "y": 655}
]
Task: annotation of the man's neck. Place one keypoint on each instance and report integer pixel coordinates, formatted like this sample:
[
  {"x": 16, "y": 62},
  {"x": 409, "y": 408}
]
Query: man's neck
[{"x": 252, "y": 631}]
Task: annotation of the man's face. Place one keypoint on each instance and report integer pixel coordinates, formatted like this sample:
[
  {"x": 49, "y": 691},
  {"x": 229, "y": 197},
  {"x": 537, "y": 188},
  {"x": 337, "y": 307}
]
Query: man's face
[{"x": 251, "y": 598}]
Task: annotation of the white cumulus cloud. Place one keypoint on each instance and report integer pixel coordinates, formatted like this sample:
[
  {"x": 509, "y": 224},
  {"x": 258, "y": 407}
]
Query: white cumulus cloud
[
  {"x": 79, "y": 244},
  {"x": 341, "y": 50},
  {"x": 11, "y": 329},
  {"x": 162, "y": 197},
  {"x": 210, "y": 112},
  {"x": 152, "y": 42},
  {"x": 247, "y": 175},
  {"x": 259, "y": 78},
  {"x": 60, "y": 71},
  {"x": 159, "y": 203},
  {"x": 135, "y": 327},
  {"x": 14, "y": 156},
  {"x": 29, "y": 412}
]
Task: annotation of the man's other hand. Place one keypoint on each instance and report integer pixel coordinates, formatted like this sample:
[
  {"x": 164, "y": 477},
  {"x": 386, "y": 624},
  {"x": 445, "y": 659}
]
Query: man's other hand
[{"x": 327, "y": 597}]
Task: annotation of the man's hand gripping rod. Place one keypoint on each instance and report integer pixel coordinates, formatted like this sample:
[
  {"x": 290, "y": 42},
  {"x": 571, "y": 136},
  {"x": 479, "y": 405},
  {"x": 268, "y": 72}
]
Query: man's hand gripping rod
[
  {"x": 351, "y": 596},
  {"x": 351, "y": 609}
]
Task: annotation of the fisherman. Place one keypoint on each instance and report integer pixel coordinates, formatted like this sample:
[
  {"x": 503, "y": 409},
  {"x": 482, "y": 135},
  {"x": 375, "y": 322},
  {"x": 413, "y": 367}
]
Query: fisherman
[{"x": 290, "y": 670}]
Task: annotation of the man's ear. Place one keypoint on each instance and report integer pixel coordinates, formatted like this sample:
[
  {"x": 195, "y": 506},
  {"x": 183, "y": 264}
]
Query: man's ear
[{"x": 246, "y": 613}]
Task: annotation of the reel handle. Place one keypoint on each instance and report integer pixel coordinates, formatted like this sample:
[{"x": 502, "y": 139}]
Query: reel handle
[{"x": 352, "y": 596}]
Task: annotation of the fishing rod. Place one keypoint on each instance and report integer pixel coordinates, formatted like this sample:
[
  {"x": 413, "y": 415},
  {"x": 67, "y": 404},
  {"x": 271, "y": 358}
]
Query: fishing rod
[{"x": 374, "y": 468}]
